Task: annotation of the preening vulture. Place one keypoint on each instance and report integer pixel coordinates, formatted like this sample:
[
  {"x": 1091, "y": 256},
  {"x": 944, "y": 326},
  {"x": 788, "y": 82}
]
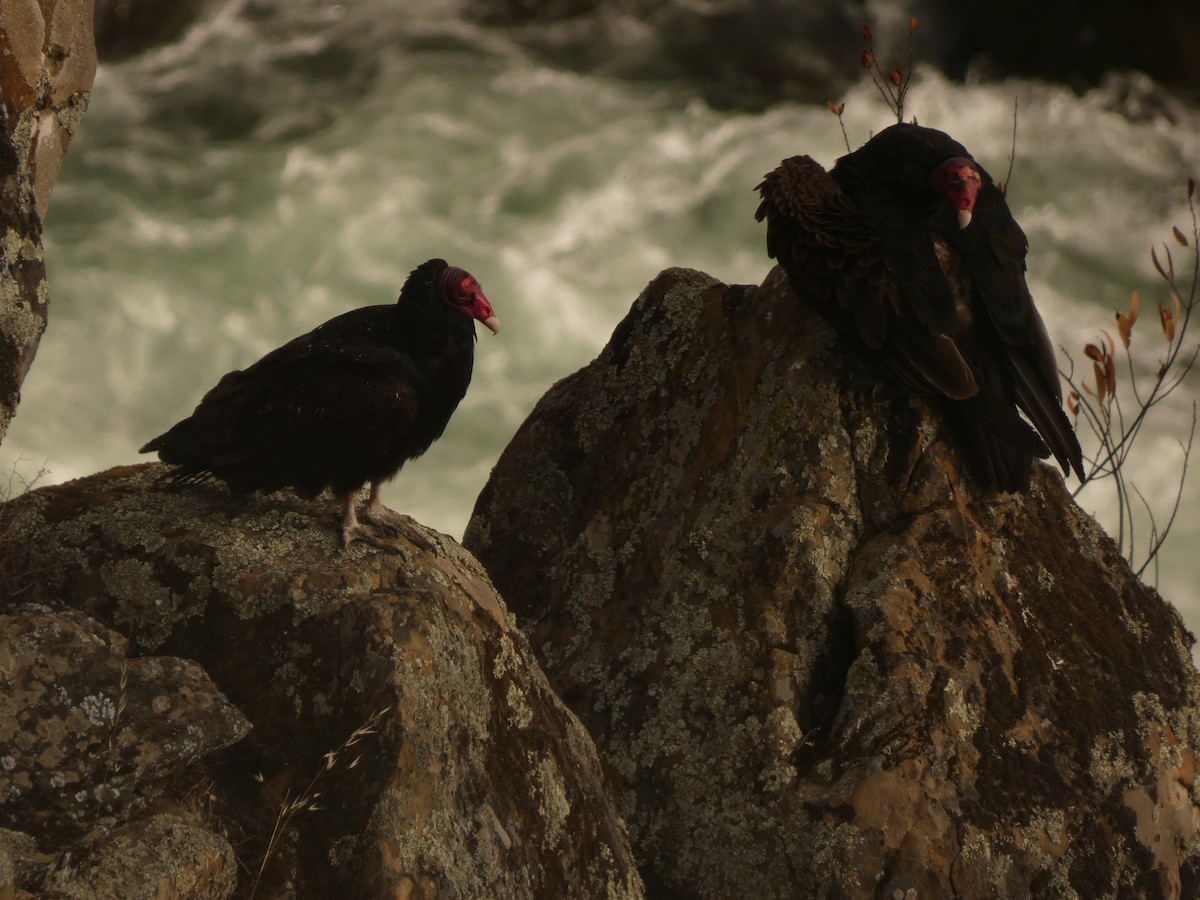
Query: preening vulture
[
  {"x": 909, "y": 250},
  {"x": 346, "y": 404}
]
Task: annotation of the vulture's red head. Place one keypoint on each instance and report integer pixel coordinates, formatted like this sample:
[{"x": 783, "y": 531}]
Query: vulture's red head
[
  {"x": 459, "y": 288},
  {"x": 959, "y": 181}
]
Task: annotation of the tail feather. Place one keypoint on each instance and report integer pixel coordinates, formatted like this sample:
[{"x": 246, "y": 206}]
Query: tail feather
[
  {"x": 1004, "y": 464},
  {"x": 1048, "y": 417}
]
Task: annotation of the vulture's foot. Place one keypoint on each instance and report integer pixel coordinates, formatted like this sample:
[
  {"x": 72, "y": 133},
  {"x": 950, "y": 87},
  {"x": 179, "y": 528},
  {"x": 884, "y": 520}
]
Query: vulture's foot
[
  {"x": 398, "y": 525},
  {"x": 382, "y": 528},
  {"x": 381, "y": 540}
]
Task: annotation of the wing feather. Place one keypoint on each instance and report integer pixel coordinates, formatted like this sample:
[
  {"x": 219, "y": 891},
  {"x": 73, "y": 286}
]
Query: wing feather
[
  {"x": 932, "y": 307},
  {"x": 836, "y": 261}
]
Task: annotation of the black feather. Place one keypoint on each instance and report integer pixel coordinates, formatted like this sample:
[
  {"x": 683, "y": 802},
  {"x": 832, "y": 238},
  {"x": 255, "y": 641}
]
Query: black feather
[
  {"x": 348, "y": 403},
  {"x": 933, "y": 307}
]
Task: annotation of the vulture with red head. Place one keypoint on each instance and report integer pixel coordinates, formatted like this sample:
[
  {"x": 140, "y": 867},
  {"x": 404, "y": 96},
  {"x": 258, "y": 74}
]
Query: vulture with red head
[
  {"x": 345, "y": 405},
  {"x": 909, "y": 250}
]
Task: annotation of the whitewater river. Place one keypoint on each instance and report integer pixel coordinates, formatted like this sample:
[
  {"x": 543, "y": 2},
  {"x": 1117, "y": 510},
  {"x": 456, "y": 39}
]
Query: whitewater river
[{"x": 234, "y": 190}]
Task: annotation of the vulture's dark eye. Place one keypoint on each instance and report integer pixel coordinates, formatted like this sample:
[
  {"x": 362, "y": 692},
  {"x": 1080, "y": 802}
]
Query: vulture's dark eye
[{"x": 464, "y": 295}]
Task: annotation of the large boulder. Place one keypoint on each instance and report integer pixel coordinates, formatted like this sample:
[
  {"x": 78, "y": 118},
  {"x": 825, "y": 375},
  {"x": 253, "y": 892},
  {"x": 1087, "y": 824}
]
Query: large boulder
[
  {"x": 47, "y": 63},
  {"x": 88, "y": 731},
  {"x": 821, "y": 661},
  {"x": 404, "y": 741}
]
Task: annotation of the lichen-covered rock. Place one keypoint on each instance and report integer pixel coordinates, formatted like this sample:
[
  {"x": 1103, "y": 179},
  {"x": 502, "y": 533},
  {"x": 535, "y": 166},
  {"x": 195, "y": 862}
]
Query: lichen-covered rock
[
  {"x": 405, "y": 743},
  {"x": 160, "y": 856},
  {"x": 821, "y": 661},
  {"x": 47, "y": 63},
  {"x": 86, "y": 733},
  {"x": 18, "y": 859}
]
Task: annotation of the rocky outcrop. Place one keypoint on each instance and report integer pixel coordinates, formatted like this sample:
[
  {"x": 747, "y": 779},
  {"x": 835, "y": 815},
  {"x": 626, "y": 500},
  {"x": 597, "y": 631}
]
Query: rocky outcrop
[
  {"x": 404, "y": 742},
  {"x": 819, "y": 660},
  {"x": 47, "y": 62},
  {"x": 87, "y": 731}
]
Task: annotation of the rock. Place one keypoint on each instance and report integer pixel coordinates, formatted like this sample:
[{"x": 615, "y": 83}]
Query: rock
[
  {"x": 19, "y": 859},
  {"x": 86, "y": 733},
  {"x": 159, "y": 856},
  {"x": 47, "y": 63},
  {"x": 821, "y": 662},
  {"x": 405, "y": 743}
]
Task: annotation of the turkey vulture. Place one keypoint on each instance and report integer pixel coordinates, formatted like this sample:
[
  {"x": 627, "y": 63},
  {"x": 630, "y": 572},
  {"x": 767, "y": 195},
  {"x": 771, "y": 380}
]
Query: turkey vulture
[
  {"x": 348, "y": 403},
  {"x": 909, "y": 250}
]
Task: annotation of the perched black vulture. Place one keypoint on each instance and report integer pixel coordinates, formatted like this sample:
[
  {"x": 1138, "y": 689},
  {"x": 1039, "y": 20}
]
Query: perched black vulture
[
  {"x": 909, "y": 250},
  {"x": 346, "y": 404}
]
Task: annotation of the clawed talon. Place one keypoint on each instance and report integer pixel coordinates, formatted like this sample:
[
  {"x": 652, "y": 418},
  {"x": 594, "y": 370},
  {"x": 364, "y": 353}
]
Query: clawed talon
[
  {"x": 381, "y": 527},
  {"x": 397, "y": 525},
  {"x": 368, "y": 535}
]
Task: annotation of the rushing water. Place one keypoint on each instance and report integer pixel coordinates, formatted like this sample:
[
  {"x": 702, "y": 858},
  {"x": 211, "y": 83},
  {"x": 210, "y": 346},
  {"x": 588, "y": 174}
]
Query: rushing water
[{"x": 236, "y": 189}]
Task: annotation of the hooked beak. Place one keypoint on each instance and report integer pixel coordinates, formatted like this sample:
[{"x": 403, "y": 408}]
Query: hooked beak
[
  {"x": 964, "y": 218},
  {"x": 492, "y": 323}
]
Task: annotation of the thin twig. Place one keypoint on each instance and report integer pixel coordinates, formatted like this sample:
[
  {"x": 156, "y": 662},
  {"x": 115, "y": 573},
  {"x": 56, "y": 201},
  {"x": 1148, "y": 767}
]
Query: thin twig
[
  {"x": 1012, "y": 153},
  {"x": 1116, "y": 433}
]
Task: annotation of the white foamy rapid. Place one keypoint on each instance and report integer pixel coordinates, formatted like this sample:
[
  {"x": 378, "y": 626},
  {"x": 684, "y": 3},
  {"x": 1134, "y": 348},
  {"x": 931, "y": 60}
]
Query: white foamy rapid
[{"x": 228, "y": 193}]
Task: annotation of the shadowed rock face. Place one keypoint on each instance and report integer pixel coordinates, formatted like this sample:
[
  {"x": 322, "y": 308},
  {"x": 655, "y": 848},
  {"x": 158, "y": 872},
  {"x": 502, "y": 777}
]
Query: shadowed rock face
[
  {"x": 820, "y": 660},
  {"x": 471, "y": 774}
]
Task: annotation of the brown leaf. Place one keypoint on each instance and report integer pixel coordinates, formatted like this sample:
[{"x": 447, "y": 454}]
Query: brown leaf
[
  {"x": 1091, "y": 351},
  {"x": 897, "y": 78},
  {"x": 1110, "y": 375},
  {"x": 1124, "y": 326},
  {"x": 1135, "y": 304},
  {"x": 868, "y": 59},
  {"x": 1182, "y": 241},
  {"x": 1109, "y": 347},
  {"x": 1168, "y": 273},
  {"x": 831, "y": 107},
  {"x": 1073, "y": 403},
  {"x": 1157, "y": 264},
  {"x": 914, "y": 26},
  {"x": 866, "y": 33},
  {"x": 1101, "y": 382},
  {"x": 1168, "y": 323}
]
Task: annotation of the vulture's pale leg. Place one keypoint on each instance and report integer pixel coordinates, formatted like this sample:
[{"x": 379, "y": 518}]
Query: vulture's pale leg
[
  {"x": 368, "y": 532},
  {"x": 351, "y": 529}
]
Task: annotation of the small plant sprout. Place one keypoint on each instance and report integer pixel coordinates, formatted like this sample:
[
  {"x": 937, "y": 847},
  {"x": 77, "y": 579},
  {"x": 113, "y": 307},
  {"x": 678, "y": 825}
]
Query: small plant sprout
[
  {"x": 892, "y": 85},
  {"x": 1116, "y": 402},
  {"x": 306, "y": 800}
]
